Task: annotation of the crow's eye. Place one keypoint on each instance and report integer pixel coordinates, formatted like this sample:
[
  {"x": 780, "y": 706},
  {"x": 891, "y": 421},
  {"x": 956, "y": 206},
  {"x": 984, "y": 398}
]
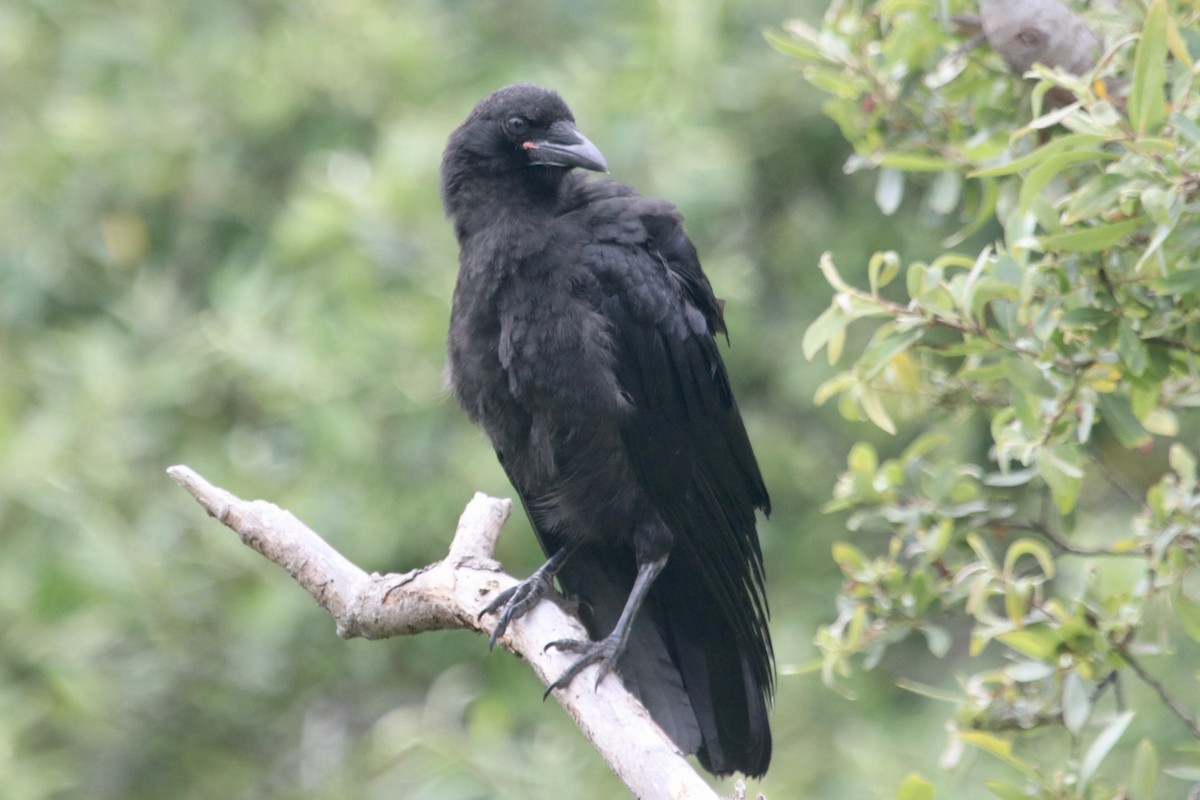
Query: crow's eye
[{"x": 516, "y": 126}]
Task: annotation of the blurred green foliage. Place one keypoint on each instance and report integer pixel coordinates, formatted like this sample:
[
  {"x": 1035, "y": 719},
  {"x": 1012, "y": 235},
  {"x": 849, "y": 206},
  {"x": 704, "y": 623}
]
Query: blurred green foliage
[
  {"x": 221, "y": 244},
  {"x": 1047, "y": 516}
]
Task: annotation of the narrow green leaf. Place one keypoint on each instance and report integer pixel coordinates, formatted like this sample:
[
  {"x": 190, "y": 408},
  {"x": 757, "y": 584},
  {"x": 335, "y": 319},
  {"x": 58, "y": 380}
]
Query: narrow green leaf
[
  {"x": 1061, "y": 467},
  {"x": 1187, "y": 611},
  {"x": 863, "y": 461},
  {"x": 998, "y": 747},
  {"x": 1073, "y": 141},
  {"x": 1093, "y": 239},
  {"x": 1100, "y": 748},
  {"x": 1145, "y": 771},
  {"x": 1029, "y": 547},
  {"x": 1162, "y": 206},
  {"x": 1183, "y": 463},
  {"x": 1016, "y": 477},
  {"x": 1028, "y": 671},
  {"x": 1006, "y": 791},
  {"x": 1051, "y": 168},
  {"x": 831, "y": 321},
  {"x": 1147, "y": 92},
  {"x": 842, "y": 382},
  {"x": 883, "y": 348},
  {"x": 916, "y": 162},
  {"x": 873, "y": 407},
  {"x": 938, "y": 639},
  {"x": 914, "y": 278},
  {"x": 848, "y": 557},
  {"x": 989, "y": 192},
  {"x": 1085, "y": 317},
  {"x": 882, "y": 269},
  {"x": 1016, "y": 603},
  {"x": 1118, "y": 416},
  {"x": 1185, "y": 127},
  {"x": 833, "y": 82},
  {"x": 796, "y": 48},
  {"x": 831, "y": 274},
  {"x": 1075, "y": 703},
  {"x": 945, "y": 192},
  {"x": 915, "y": 787},
  {"x": 1039, "y": 642},
  {"x": 889, "y": 190},
  {"x": 1131, "y": 349},
  {"x": 1181, "y": 282},
  {"x": 837, "y": 343}
]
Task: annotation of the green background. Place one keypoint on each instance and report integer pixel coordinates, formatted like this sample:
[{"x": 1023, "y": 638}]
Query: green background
[{"x": 221, "y": 244}]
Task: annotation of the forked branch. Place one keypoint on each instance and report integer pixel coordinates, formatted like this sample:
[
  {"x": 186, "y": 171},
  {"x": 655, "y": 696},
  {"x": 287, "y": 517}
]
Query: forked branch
[{"x": 450, "y": 594}]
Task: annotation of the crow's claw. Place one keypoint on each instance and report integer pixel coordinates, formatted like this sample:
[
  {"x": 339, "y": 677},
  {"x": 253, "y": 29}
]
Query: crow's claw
[
  {"x": 603, "y": 653},
  {"x": 515, "y": 601}
]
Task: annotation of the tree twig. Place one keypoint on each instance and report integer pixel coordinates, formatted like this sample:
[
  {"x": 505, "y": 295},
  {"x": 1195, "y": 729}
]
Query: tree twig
[
  {"x": 1060, "y": 545},
  {"x": 1156, "y": 685},
  {"x": 450, "y": 594}
]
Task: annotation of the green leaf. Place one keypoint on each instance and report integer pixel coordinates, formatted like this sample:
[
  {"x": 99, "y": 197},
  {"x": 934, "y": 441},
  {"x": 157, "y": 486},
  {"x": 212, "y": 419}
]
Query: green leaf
[
  {"x": 1181, "y": 282},
  {"x": 945, "y": 192},
  {"x": 1101, "y": 747},
  {"x": 989, "y": 192},
  {"x": 1162, "y": 206},
  {"x": 793, "y": 47},
  {"x": 1183, "y": 463},
  {"x": 1016, "y": 602},
  {"x": 872, "y": 405},
  {"x": 832, "y": 321},
  {"x": 1051, "y": 168},
  {"x": 848, "y": 557},
  {"x": 1061, "y": 466},
  {"x": 998, "y": 747},
  {"x": 1029, "y": 547},
  {"x": 1147, "y": 92},
  {"x": 886, "y": 345},
  {"x": 882, "y": 269},
  {"x": 1187, "y": 611},
  {"x": 842, "y": 382},
  {"x": 1040, "y": 642},
  {"x": 916, "y": 162},
  {"x": 831, "y": 274},
  {"x": 1119, "y": 418},
  {"x": 1028, "y": 671},
  {"x": 1131, "y": 349},
  {"x": 1085, "y": 317},
  {"x": 1006, "y": 791},
  {"x": 1093, "y": 239},
  {"x": 1073, "y": 141},
  {"x": 1185, "y": 127},
  {"x": 889, "y": 190},
  {"x": 1075, "y": 703},
  {"x": 938, "y": 639},
  {"x": 915, "y": 787},
  {"x": 1145, "y": 771}
]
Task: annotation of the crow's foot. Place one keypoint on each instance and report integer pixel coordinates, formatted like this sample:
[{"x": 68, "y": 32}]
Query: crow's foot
[
  {"x": 516, "y": 601},
  {"x": 603, "y": 653}
]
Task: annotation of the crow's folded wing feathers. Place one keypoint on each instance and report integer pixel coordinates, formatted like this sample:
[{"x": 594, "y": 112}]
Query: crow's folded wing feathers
[{"x": 683, "y": 434}]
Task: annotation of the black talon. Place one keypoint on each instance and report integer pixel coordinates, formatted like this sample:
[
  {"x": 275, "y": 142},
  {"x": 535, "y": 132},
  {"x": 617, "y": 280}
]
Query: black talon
[{"x": 516, "y": 601}]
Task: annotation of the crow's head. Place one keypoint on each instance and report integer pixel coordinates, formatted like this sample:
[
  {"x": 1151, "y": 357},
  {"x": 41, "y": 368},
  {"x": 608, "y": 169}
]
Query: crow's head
[{"x": 522, "y": 135}]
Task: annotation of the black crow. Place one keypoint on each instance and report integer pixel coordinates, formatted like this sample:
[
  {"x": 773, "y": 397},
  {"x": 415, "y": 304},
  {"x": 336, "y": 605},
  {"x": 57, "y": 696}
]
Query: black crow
[{"x": 582, "y": 340}]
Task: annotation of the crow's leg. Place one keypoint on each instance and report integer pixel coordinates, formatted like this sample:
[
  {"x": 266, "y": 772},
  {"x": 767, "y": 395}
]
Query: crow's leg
[
  {"x": 606, "y": 651},
  {"x": 514, "y": 602}
]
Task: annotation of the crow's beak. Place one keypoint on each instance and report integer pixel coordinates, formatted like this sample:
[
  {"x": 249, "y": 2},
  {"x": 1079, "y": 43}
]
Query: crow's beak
[{"x": 564, "y": 146}]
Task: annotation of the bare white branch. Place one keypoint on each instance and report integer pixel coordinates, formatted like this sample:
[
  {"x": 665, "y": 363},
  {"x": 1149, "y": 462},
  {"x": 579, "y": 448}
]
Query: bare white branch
[{"x": 450, "y": 594}]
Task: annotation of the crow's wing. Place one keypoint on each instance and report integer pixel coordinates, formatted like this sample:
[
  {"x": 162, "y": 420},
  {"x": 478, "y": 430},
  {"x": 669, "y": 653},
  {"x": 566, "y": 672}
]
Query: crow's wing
[{"x": 692, "y": 457}]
